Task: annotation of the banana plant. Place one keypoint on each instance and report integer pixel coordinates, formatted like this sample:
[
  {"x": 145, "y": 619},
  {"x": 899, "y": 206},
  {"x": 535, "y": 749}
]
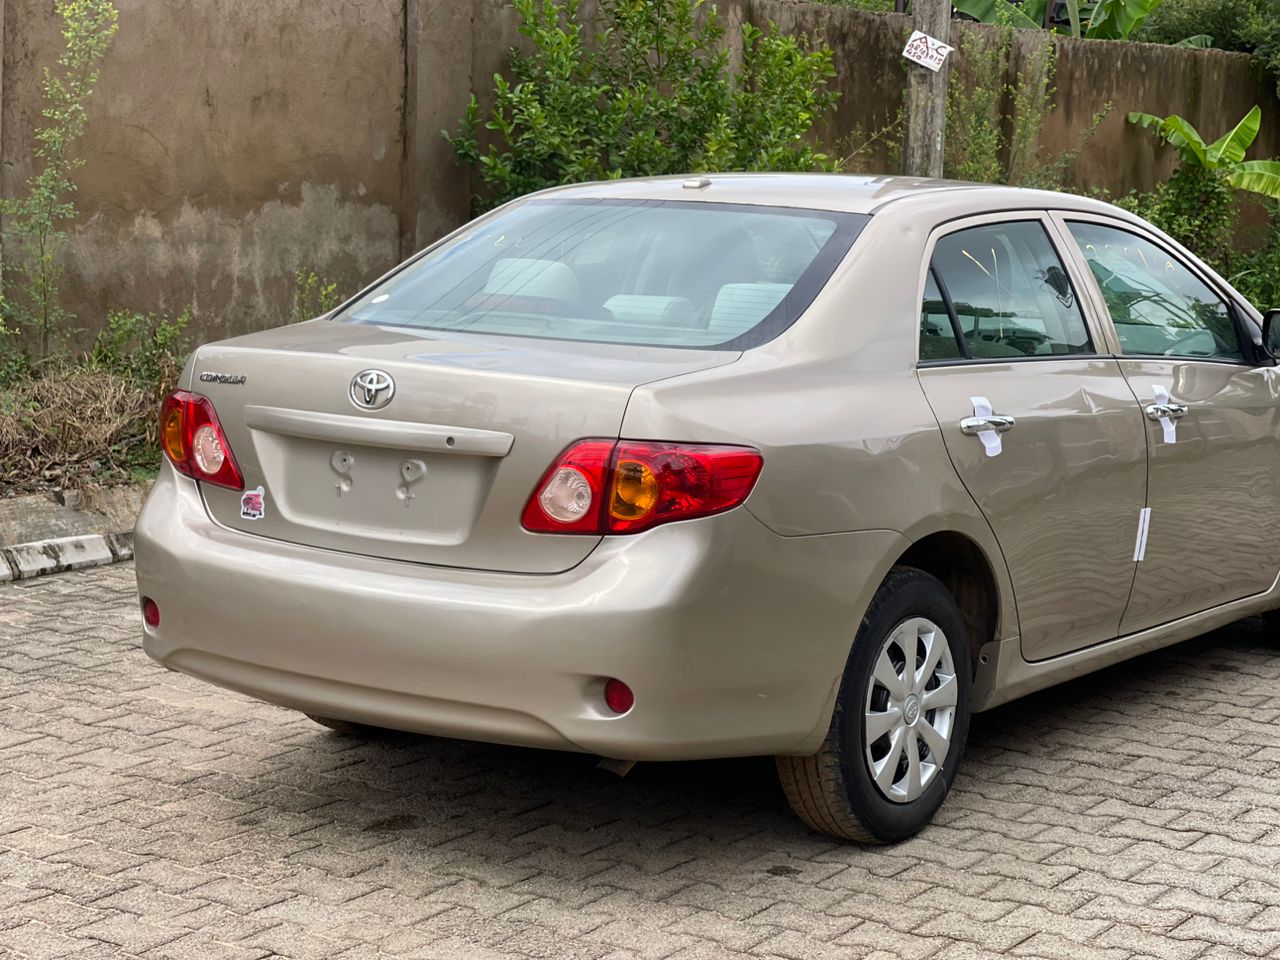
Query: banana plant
[
  {"x": 1224, "y": 156},
  {"x": 1101, "y": 20}
]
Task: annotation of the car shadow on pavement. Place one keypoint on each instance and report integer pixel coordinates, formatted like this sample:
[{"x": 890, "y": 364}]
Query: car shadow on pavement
[{"x": 443, "y": 797}]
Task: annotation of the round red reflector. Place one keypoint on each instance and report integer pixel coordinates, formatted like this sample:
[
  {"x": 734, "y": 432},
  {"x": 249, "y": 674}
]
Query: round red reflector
[
  {"x": 618, "y": 696},
  {"x": 150, "y": 612}
]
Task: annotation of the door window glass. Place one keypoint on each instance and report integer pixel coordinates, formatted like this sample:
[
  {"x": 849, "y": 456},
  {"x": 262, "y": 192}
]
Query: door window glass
[
  {"x": 1010, "y": 293},
  {"x": 937, "y": 335},
  {"x": 1158, "y": 306}
]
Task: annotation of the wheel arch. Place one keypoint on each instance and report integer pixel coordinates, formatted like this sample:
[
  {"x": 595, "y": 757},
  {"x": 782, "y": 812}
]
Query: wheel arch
[{"x": 973, "y": 580}]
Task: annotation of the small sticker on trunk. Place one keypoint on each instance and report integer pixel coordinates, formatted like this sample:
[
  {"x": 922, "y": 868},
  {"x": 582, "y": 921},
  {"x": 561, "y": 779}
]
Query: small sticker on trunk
[{"x": 253, "y": 504}]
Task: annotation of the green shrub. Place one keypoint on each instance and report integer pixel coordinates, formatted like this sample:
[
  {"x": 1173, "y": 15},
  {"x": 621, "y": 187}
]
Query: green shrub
[
  {"x": 1265, "y": 36},
  {"x": 975, "y": 135},
  {"x": 1257, "y": 274},
  {"x": 314, "y": 295},
  {"x": 655, "y": 94},
  {"x": 1195, "y": 207},
  {"x": 994, "y": 127},
  {"x": 146, "y": 349},
  {"x": 1228, "y": 22}
]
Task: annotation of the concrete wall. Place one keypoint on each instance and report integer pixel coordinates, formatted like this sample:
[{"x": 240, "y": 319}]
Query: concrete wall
[
  {"x": 233, "y": 142},
  {"x": 230, "y": 143}
]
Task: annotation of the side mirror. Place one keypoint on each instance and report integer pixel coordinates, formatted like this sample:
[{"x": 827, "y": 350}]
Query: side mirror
[{"x": 1271, "y": 334}]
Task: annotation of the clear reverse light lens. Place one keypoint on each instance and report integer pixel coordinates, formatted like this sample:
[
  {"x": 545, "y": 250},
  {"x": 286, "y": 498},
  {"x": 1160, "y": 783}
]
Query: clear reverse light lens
[
  {"x": 566, "y": 496},
  {"x": 207, "y": 450}
]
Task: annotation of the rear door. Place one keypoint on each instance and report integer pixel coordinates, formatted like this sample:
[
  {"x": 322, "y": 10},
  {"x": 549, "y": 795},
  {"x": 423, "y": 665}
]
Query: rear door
[
  {"x": 1040, "y": 424},
  {"x": 1212, "y": 424}
]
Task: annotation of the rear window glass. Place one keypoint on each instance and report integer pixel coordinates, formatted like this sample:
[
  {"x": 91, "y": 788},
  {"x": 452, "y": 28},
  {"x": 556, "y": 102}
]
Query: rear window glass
[{"x": 653, "y": 273}]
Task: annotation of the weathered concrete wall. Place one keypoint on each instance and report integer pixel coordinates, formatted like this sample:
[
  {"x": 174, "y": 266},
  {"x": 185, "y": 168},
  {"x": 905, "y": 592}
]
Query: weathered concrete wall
[
  {"x": 230, "y": 143},
  {"x": 233, "y": 142}
]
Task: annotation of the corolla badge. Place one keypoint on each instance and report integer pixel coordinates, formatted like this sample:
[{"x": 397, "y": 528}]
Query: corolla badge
[{"x": 372, "y": 389}]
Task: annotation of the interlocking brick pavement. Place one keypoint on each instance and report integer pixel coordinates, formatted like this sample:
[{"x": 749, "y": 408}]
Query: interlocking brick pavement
[{"x": 1135, "y": 813}]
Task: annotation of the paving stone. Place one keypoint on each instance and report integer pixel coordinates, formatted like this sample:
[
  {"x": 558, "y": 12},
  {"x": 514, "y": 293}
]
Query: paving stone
[{"x": 143, "y": 814}]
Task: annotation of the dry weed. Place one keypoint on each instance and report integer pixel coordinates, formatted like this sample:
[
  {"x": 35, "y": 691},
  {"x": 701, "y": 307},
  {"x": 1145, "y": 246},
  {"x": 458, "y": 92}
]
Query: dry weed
[{"x": 72, "y": 426}]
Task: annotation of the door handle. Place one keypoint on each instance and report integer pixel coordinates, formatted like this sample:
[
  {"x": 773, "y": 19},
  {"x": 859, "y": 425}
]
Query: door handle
[
  {"x": 972, "y": 426},
  {"x": 1171, "y": 410}
]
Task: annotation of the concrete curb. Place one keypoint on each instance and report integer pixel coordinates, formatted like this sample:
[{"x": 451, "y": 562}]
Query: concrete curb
[{"x": 27, "y": 560}]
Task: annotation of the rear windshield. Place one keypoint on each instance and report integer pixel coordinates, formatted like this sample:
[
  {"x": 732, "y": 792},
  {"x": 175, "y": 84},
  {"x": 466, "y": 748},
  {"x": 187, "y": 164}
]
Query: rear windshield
[{"x": 651, "y": 273}]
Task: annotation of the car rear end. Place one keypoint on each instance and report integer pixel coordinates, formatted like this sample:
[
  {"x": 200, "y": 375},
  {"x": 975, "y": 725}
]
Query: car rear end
[{"x": 427, "y": 514}]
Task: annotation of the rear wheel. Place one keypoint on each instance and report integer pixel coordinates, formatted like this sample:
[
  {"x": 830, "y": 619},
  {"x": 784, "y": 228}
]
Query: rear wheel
[{"x": 900, "y": 722}]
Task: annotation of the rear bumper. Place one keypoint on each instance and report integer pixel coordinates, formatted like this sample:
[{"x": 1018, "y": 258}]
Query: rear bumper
[{"x": 732, "y": 638}]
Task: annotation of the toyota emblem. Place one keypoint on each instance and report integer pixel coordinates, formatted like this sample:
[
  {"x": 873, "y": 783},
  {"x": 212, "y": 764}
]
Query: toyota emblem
[{"x": 372, "y": 389}]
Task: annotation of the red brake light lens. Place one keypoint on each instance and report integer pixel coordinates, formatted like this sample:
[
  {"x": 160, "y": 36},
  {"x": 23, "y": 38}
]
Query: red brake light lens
[
  {"x": 616, "y": 487},
  {"x": 194, "y": 441}
]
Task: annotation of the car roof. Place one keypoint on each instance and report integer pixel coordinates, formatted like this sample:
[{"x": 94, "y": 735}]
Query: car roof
[{"x": 828, "y": 191}]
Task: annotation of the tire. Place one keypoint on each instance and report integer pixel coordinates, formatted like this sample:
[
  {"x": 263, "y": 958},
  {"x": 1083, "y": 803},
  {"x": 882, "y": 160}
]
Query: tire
[{"x": 834, "y": 791}]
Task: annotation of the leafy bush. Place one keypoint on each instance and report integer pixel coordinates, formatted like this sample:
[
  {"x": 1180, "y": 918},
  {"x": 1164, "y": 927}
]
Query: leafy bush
[
  {"x": 36, "y": 223},
  {"x": 975, "y": 136},
  {"x": 314, "y": 295},
  {"x": 978, "y": 147},
  {"x": 1103, "y": 20},
  {"x": 1265, "y": 35},
  {"x": 654, "y": 95},
  {"x": 1196, "y": 208},
  {"x": 1228, "y": 22},
  {"x": 146, "y": 349}
]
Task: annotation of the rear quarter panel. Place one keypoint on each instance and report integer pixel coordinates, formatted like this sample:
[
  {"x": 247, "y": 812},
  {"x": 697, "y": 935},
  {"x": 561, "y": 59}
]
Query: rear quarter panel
[{"x": 849, "y": 441}]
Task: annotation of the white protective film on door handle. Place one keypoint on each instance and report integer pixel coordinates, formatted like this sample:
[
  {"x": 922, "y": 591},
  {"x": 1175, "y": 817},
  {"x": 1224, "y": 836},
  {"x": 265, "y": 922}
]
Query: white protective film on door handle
[
  {"x": 990, "y": 437},
  {"x": 1167, "y": 424}
]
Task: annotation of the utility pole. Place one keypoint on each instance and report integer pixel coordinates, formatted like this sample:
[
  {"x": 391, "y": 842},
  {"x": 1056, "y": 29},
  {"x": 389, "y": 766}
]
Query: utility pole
[{"x": 927, "y": 94}]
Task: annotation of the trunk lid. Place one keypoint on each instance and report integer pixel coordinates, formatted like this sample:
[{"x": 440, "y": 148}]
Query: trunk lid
[{"x": 441, "y": 471}]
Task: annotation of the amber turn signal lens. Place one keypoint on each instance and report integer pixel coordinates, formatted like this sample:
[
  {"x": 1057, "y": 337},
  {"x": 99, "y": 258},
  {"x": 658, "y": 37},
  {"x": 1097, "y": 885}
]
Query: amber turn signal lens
[
  {"x": 171, "y": 433},
  {"x": 635, "y": 490}
]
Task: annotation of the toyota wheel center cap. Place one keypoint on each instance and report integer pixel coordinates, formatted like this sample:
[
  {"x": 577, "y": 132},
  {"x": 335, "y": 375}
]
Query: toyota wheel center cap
[{"x": 911, "y": 711}]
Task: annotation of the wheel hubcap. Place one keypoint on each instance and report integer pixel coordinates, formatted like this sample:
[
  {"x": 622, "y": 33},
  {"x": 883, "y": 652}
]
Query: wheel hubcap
[{"x": 910, "y": 709}]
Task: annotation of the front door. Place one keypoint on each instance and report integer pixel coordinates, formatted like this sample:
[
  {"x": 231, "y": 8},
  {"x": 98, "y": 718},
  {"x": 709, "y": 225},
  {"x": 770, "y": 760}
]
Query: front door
[
  {"x": 1044, "y": 431},
  {"x": 1212, "y": 424}
]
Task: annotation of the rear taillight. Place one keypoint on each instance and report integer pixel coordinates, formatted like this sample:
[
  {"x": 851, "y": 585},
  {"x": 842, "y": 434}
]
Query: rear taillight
[
  {"x": 193, "y": 440},
  {"x": 626, "y": 486}
]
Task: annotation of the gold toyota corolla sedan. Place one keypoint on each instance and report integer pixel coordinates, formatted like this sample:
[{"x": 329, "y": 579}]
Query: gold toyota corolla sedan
[{"x": 811, "y": 466}]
